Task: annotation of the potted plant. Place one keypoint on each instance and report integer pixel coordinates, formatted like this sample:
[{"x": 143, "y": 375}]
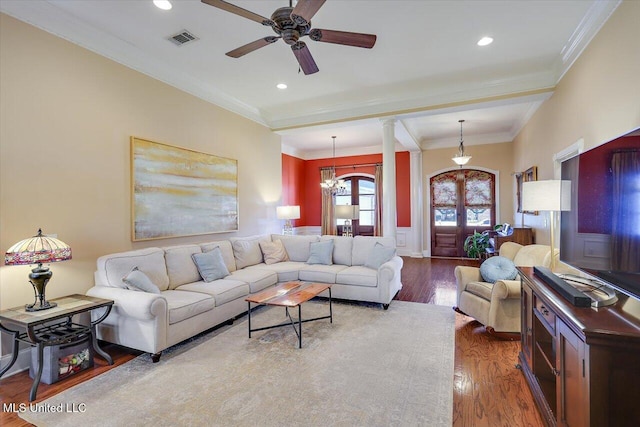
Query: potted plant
[{"x": 476, "y": 244}]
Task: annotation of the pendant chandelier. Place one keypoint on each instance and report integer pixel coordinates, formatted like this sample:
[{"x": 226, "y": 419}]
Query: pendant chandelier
[
  {"x": 334, "y": 185},
  {"x": 460, "y": 158}
]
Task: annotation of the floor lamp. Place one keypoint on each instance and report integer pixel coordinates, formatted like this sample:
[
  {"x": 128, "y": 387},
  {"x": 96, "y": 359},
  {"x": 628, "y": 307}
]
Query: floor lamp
[{"x": 551, "y": 196}]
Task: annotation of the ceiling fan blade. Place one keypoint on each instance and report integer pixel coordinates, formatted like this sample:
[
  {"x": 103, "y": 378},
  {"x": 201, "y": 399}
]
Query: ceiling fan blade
[
  {"x": 220, "y": 4},
  {"x": 250, "y": 47},
  {"x": 301, "y": 51},
  {"x": 304, "y": 11},
  {"x": 343, "y": 37}
]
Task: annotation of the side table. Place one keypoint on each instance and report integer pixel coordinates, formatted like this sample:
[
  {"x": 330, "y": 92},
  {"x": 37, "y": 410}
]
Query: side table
[{"x": 54, "y": 326}]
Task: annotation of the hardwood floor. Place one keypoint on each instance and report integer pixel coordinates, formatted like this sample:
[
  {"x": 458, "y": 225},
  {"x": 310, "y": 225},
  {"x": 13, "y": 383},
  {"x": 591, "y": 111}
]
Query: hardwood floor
[{"x": 488, "y": 390}]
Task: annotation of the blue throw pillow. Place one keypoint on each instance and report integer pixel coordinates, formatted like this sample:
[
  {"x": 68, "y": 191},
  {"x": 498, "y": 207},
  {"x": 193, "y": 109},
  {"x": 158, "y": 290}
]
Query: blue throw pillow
[
  {"x": 321, "y": 252},
  {"x": 136, "y": 280},
  {"x": 211, "y": 265},
  {"x": 378, "y": 255},
  {"x": 498, "y": 268}
]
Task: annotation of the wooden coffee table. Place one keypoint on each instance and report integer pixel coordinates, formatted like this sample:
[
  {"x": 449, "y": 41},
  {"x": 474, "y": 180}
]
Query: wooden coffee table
[{"x": 289, "y": 295}]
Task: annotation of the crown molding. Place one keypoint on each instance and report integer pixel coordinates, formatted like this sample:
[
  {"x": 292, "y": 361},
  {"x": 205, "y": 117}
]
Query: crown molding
[
  {"x": 594, "y": 19},
  {"x": 47, "y": 17}
]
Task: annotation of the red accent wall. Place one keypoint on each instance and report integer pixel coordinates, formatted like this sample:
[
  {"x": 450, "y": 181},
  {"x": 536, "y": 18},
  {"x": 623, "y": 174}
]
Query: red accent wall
[
  {"x": 301, "y": 184},
  {"x": 293, "y": 185},
  {"x": 595, "y": 187}
]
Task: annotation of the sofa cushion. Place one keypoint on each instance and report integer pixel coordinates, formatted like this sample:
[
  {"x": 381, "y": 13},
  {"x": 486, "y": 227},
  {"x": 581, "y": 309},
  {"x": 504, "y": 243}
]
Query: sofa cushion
[
  {"x": 112, "y": 268},
  {"x": 287, "y": 271},
  {"x": 321, "y": 253},
  {"x": 362, "y": 246},
  {"x": 180, "y": 266},
  {"x": 222, "y": 290},
  {"x": 320, "y": 273},
  {"x": 138, "y": 281},
  {"x": 246, "y": 250},
  {"x": 481, "y": 289},
  {"x": 184, "y": 305},
  {"x": 379, "y": 255},
  {"x": 358, "y": 276},
  {"x": 498, "y": 268},
  {"x": 210, "y": 265},
  {"x": 227, "y": 252},
  {"x": 342, "y": 247},
  {"x": 297, "y": 246},
  {"x": 256, "y": 277},
  {"x": 273, "y": 252}
]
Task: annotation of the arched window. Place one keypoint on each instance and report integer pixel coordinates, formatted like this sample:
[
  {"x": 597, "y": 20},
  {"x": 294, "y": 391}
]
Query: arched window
[{"x": 361, "y": 191}]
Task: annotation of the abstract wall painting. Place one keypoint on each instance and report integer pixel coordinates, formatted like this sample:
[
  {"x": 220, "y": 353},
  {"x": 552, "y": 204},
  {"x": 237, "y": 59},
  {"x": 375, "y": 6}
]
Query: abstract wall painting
[{"x": 180, "y": 192}]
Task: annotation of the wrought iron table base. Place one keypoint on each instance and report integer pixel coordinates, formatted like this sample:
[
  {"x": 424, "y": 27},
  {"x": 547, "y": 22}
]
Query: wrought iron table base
[
  {"x": 41, "y": 336},
  {"x": 292, "y": 321}
]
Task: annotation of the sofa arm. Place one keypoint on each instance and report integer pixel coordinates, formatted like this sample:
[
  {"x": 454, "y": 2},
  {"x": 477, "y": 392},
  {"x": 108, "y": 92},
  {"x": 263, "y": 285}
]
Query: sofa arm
[
  {"x": 506, "y": 289},
  {"x": 465, "y": 274},
  {"x": 136, "y": 304},
  {"x": 388, "y": 271},
  {"x": 389, "y": 276}
]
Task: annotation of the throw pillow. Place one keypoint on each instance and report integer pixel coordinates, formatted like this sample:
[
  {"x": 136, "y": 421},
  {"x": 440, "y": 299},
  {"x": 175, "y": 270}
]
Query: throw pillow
[
  {"x": 273, "y": 252},
  {"x": 211, "y": 265},
  {"x": 378, "y": 255},
  {"x": 246, "y": 250},
  {"x": 498, "y": 268},
  {"x": 321, "y": 253},
  {"x": 136, "y": 280}
]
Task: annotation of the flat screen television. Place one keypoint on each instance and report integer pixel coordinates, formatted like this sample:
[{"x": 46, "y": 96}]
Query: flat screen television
[{"x": 600, "y": 235}]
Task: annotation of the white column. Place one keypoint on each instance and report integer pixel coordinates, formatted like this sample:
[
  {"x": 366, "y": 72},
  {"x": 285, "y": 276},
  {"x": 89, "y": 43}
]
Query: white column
[
  {"x": 416, "y": 202},
  {"x": 389, "y": 214}
]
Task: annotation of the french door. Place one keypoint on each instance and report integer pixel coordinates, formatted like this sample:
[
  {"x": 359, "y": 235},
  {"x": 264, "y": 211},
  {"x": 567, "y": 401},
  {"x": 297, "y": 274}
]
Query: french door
[
  {"x": 360, "y": 191},
  {"x": 462, "y": 201}
]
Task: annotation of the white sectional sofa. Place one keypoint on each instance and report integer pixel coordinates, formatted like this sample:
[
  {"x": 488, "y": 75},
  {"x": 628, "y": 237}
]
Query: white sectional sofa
[{"x": 184, "y": 305}]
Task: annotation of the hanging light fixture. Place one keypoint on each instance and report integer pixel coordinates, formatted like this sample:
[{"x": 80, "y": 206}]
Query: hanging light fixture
[
  {"x": 334, "y": 185},
  {"x": 460, "y": 158}
]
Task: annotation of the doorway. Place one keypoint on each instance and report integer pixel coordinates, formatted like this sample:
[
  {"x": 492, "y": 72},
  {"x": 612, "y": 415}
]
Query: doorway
[{"x": 462, "y": 201}]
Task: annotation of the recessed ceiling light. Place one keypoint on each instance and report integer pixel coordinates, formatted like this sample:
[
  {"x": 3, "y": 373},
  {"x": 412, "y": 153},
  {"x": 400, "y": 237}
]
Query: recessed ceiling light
[
  {"x": 281, "y": 86},
  {"x": 485, "y": 41},
  {"x": 163, "y": 4}
]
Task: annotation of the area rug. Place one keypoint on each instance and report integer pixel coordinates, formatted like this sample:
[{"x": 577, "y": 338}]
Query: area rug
[{"x": 370, "y": 367}]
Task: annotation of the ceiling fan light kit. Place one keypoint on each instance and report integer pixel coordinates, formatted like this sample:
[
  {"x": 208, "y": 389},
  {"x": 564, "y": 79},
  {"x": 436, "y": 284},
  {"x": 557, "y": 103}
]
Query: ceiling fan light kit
[{"x": 290, "y": 24}]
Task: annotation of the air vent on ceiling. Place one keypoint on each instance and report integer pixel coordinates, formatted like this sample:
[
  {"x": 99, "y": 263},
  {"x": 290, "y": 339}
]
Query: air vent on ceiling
[{"x": 183, "y": 37}]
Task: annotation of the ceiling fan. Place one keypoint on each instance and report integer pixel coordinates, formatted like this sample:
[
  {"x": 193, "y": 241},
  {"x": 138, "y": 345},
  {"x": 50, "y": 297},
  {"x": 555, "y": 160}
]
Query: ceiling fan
[{"x": 290, "y": 24}]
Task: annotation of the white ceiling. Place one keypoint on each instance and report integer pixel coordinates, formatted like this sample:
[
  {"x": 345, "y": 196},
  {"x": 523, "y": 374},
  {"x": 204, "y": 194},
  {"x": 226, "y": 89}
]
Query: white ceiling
[{"x": 425, "y": 69}]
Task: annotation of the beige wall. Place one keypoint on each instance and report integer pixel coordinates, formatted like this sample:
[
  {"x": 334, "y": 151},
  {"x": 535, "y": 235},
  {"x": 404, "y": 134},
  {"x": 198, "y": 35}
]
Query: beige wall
[
  {"x": 495, "y": 158},
  {"x": 66, "y": 118},
  {"x": 597, "y": 100}
]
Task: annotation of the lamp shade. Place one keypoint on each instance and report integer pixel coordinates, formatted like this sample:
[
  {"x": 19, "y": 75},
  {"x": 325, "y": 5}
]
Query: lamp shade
[
  {"x": 38, "y": 249},
  {"x": 550, "y": 195},
  {"x": 347, "y": 211},
  {"x": 288, "y": 212}
]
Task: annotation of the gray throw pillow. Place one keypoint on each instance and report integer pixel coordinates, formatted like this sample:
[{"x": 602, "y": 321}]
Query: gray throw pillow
[
  {"x": 498, "y": 268},
  {"x": 378, "y": 255},
  {"x": 211, "y": 265},
  {"x": 136, "y": 280},
  {"x": 321, "y": 252}
]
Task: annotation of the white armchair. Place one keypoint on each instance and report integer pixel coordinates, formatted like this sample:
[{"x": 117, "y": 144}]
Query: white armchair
[{"x": 497, "y": 305}]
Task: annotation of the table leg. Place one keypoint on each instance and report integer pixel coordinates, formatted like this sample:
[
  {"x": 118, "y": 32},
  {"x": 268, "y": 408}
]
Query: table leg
[
  {"x": 300, "y": 325},
  {"x": 330, "y": 308},
  {"x": 14, "y": 352},
  {"x": 36, "y": 379},
  {"x": 249, "y": 317},
  {"x": 96, "y": 347}
]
